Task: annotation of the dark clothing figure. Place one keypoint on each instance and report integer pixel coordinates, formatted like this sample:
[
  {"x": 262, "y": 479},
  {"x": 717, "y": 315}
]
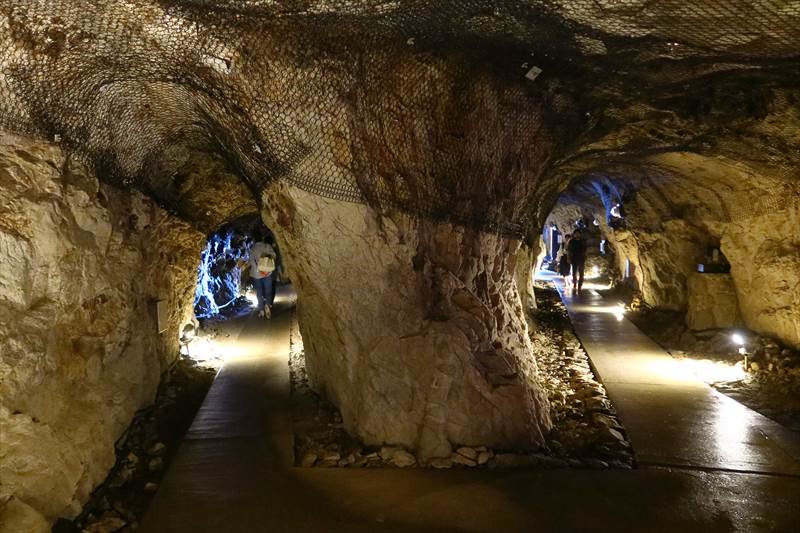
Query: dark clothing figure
[
  {"x": 577, "y": 257},
  {"x": 563, "y": 265}
]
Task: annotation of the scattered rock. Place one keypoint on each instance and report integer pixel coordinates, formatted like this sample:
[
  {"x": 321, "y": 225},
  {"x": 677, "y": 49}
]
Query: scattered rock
[
  {"x": 403, "y": 459},
  {"x": 592, "y": 462},
  {"x": 387, "y": 452},
  {"x": 619, "y": 464},
  {"x": 329, "y": 458},
  {"x": 469, "y": 453},
  {"x": 441, "y": 462},
  {"x": 150, "y": 486},
  {"x": 605, "y": 420},
  {"x": 157, "y": 450},
  {"x": 483, "y": 457},
  {"x": 156, "y": 464},
  {"x": 107, "y": 524},
  {"x": 308, "y": 460},
  {"x": 459, "y": 459},
  {"x": 614, "y": 435},
  {"x": 122, "y": 476}
]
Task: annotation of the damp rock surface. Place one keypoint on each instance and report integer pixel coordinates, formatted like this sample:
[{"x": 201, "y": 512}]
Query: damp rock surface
[{"x": 81, "y": 266}]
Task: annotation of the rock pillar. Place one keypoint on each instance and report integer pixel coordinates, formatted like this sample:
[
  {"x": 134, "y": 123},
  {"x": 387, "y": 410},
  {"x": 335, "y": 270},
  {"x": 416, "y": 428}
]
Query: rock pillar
[{"x": 414, "y": 328}]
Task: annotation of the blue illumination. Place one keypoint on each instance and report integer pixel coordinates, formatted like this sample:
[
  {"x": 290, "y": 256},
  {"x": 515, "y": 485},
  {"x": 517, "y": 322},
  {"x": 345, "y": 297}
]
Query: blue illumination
[{"x": 218, "y": 277}]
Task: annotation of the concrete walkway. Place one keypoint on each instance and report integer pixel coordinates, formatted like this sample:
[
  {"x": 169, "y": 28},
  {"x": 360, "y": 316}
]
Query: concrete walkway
[
  {"x": 672, "y": 417},
  {"x": 233, "y": 474}
]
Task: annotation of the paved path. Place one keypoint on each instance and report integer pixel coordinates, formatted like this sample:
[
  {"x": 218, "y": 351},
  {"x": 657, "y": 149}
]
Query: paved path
[
  {"x": 233, "y": 474},
  {"x": 672, "y": 417}
]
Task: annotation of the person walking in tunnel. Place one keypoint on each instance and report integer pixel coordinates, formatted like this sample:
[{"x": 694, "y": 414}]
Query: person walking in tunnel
[
  {"x": 576, "y": 249},
  {"x": 263, "y": 260},
  {"x": 563, "y": 262}
]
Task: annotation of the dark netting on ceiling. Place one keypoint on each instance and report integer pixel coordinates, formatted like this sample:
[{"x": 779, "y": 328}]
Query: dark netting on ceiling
[{"x": 448, "y": 109}]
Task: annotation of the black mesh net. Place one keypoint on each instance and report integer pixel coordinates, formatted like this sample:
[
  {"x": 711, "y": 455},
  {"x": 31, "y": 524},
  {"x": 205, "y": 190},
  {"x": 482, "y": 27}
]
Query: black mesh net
[{"x": 449, "y": 109}]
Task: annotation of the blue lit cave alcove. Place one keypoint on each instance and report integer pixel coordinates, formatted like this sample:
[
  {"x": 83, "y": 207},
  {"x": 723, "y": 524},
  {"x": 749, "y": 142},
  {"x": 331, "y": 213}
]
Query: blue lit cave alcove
[{"x": 224, "y": 288}]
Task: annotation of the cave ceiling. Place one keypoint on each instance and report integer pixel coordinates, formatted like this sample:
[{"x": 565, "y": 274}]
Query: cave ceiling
[{"x": 155, "y": 93}]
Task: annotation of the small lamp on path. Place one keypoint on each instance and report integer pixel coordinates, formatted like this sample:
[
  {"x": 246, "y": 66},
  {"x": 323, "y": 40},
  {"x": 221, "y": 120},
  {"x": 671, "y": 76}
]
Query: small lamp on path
[{"x": 739, "y": 340}]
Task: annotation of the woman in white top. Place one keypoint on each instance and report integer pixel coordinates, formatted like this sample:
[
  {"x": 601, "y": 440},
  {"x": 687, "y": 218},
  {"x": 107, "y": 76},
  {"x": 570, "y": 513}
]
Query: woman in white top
[{"x": 263, "y": 261}]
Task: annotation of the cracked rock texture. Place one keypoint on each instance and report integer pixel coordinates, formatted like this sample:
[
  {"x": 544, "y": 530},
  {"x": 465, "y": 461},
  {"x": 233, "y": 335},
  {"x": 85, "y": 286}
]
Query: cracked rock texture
[
  {"x": 81, "y": 265},
  {"x": 414, "y": 329}
]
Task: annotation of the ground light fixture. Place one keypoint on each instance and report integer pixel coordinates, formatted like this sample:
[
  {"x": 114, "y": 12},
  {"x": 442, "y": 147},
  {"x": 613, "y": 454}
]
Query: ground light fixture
[
  {"x": 252, "y": 297},
  {"x": 739, "y": 340},
  {"x": 187, "y": 336}
]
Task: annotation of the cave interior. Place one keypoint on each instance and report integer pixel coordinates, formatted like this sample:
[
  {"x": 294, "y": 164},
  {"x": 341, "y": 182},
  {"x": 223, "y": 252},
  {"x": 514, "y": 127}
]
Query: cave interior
[{"x": 419, "y": 164}]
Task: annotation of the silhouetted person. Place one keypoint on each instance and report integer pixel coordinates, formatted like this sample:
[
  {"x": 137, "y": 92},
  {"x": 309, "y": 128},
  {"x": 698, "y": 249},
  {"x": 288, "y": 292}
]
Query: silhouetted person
[
  {"x": 576, "y": 249},
  {"x": 263, "y": 262},
  {"x": 563, "y": 262}
]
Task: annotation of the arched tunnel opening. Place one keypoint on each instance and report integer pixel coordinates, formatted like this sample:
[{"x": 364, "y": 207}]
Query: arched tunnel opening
[
  {"x": 662, "y": 262},
  {"x": 550, "y": 251},
  {"x": 240, "y": 273}
]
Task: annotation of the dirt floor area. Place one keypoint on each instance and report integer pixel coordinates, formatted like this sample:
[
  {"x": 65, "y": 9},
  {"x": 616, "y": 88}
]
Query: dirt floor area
[{"x": 586, "y": 432}]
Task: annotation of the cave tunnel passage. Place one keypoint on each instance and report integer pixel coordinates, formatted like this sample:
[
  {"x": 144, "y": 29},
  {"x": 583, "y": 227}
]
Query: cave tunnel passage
[
  {"x": 228, "y": 282},
  {"x": 418, "y": 161},
  {"x": 599, "y": 267},
  {"x": 684, "y": 242},
  {"x": 685, "y": 368}
]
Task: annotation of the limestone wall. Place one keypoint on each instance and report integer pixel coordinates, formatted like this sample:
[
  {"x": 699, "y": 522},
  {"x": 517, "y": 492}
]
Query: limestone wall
[
  {"x": 81, "y": 265},
  {"x": 414, "y": 329},
  {"x": 764, "y": 253},
  {"x": 712, "y": 302}
]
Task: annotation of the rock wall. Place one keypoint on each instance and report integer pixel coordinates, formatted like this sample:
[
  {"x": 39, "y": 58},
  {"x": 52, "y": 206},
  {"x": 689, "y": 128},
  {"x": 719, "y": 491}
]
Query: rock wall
[
  {"x": 661, "y": 260},
  {"x": 764, "y": 253},
  {"x": 712, "y": 302},
  {"x": 81, "y": 265},
  {"x": 413, "y": 328}
]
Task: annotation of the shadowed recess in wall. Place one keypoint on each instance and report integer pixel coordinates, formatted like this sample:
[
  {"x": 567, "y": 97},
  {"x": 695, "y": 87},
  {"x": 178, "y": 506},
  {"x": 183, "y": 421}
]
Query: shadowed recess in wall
[{"x": 452, "y": 110}]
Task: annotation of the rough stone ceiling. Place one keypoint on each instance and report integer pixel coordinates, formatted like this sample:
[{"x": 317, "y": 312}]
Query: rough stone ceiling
[{"x": 316, "y": 92}]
